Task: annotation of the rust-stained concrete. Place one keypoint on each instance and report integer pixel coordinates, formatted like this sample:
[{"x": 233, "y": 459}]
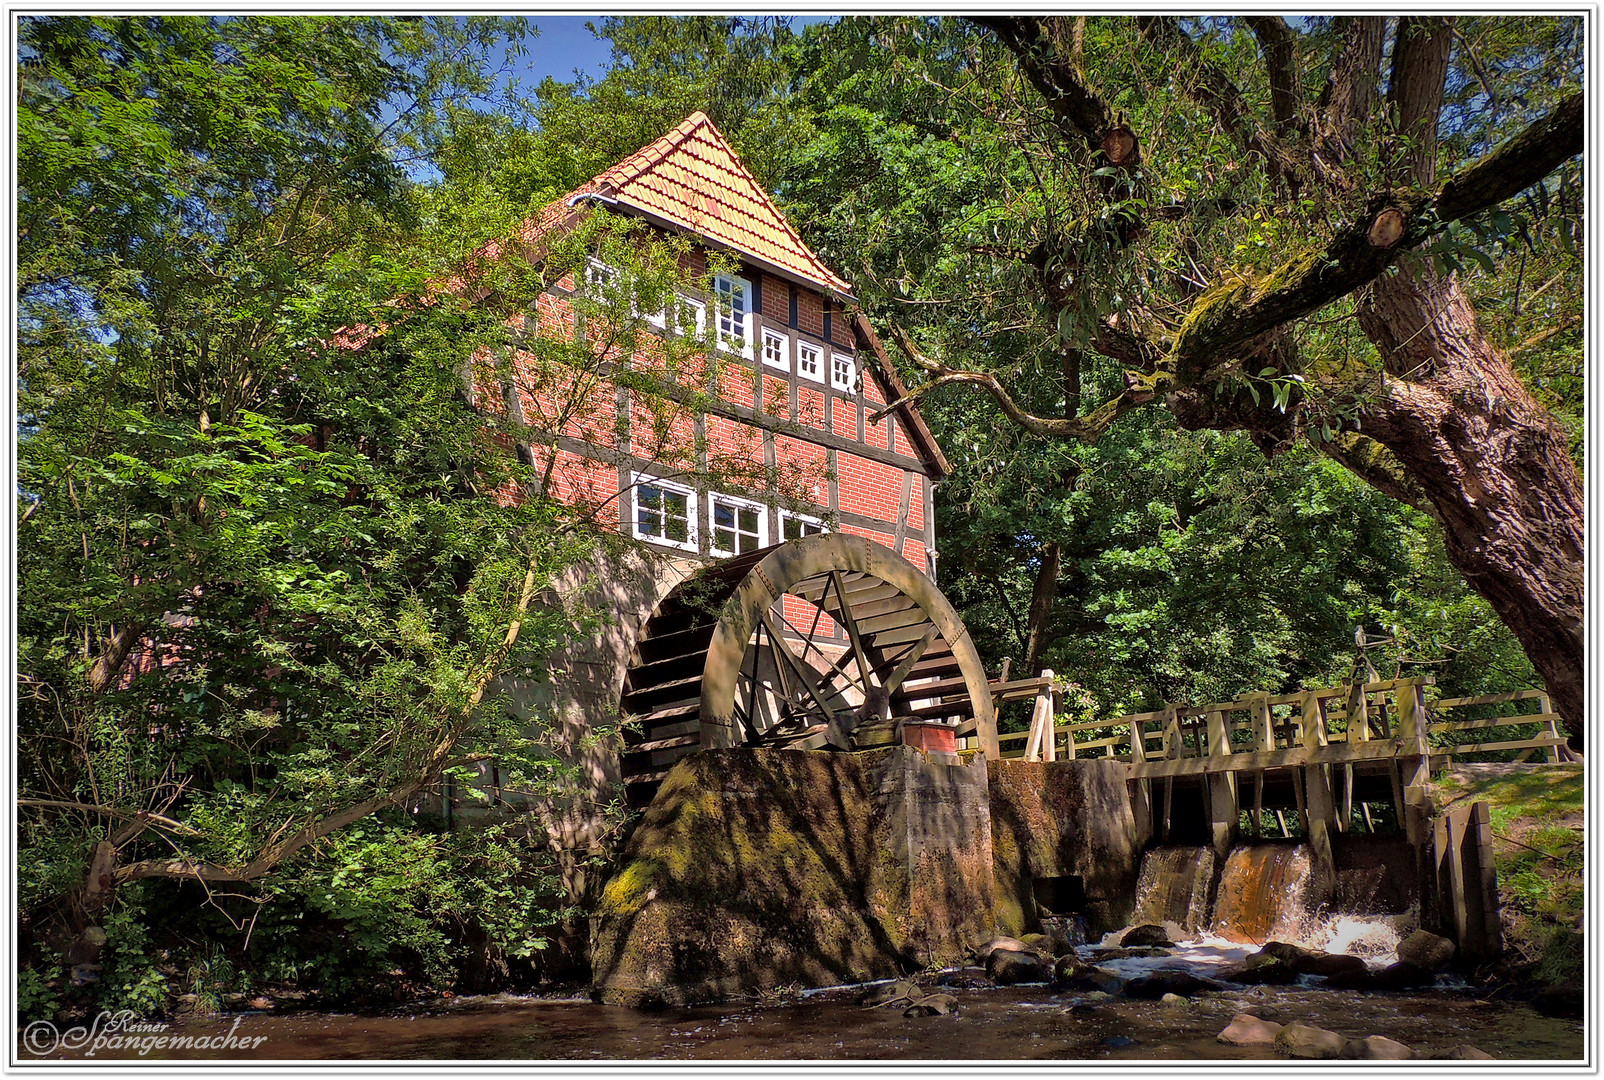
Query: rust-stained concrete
[
  {"x": 1055, "y": 819},
  {"x": 755, "y": 869}
]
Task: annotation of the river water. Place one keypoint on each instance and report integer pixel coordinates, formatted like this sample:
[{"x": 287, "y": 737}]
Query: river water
[{"x": 1015, "y": 1023}]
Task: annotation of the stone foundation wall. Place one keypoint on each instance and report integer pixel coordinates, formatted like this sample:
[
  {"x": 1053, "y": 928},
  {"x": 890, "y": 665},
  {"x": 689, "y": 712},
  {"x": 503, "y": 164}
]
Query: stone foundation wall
[
  {"x": 1063, "y": 819},
  {"x": 762, "y": 868}
]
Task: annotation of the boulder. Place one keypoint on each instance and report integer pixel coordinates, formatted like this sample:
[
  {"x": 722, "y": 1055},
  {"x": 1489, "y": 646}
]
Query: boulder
[
  {"x": 1399, "y": 976},
  {"x": 1332, "y": 965},
  {"x": 1426, "y": 950},
  {"x": 1012, "y": 944},
  {"x": 1286, "y": 952},
  {"x": 1309, "y": 961},
  {"x": 1263, "y": 1012},
  {"x": 1154, "y": 986},
  {"x": 969, "y": 978},
  {"x": 1464, "y": 1052},
  {"x": 1040, "y": 943},
  {"x": 1142, "y": 952},
  {"x": 1173, "y": 1001},
  {"x": 1147, "y": 934},
  {"x": 894, "y": 993},
  {"x": 1246, "y": 1029},
  {"x": 1070, "y": 974},
  {"x": 1377, "y": 1048},
  {"x": 1308, "y": 1041},
  {"x": 932, "y": 1005},
  {"x": 1007, "y": 967},
  {"x": 1261, "y": 969}
]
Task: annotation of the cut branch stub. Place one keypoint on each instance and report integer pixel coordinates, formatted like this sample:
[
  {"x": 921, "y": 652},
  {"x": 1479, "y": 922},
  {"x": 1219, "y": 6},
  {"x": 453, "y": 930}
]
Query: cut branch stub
[
  {"x": 1121, "y": 147},
  {"x": 1387, "y": 228}
]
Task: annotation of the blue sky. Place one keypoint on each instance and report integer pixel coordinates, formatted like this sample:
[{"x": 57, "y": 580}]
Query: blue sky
[{"x": 564, "y": 45}]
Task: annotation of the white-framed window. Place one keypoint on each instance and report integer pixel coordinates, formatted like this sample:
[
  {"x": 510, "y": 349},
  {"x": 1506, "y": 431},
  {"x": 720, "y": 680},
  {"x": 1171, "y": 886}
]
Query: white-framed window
[
  {"x": 736, "y": 525},
  {"x": 795, "y": 526},
  {"x": 733, "y": 296},
  {"x": 665, "y": 512},
  {"x": 690, "y": 316},
  {"x": 776, "y": 349},
  {"x": 599, "y": 276},
  {"x": 843, "y": 372},
  {"x": 809, "y": 361}
]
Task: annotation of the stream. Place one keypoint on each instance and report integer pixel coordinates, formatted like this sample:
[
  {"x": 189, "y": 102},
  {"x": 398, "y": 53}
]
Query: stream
[{"x": 1019, "y": 1023}]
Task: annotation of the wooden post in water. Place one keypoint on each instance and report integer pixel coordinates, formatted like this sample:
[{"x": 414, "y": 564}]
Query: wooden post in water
[
  {"x": 1412, "y": 720},
  {"x": 1141, "y": 789},
  {"x": 1320, "y": 807},
  {"x": 1172, "y": 749},
  {"x": 1224, "y": 810}
]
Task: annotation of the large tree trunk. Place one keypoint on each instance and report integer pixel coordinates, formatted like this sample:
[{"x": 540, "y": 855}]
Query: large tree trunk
[{"x": 1493, "y": 463}]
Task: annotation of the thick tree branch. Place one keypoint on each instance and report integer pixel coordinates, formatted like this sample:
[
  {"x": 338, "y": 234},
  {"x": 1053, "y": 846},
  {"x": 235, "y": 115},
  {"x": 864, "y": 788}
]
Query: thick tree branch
[
  {"x": 1415, "y": 93},
  {"x": 1227, "y": 317},
  {"x": 1279, "y": 45},
  {"x": 1350, "y": 94},
  {"x": 109, "y": 664},
  {"x": 1088, "y": 428},
  {"x": 1214, "y": 91},
  {"x": 1045, "y": 50},
  {"x": 1377, "y": 466}
]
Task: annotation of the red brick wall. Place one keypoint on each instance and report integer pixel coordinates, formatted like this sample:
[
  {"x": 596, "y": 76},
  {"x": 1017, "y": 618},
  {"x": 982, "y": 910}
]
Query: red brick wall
[
  {"x": 732, "y": 449},
  {"x": 869, "y": 488}
]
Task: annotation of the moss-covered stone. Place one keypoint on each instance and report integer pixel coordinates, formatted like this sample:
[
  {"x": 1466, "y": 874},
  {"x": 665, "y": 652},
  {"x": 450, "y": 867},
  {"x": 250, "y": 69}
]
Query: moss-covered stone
[
  {"x": 1063, "y": 819},
  {"x": 761, "y": 868}
]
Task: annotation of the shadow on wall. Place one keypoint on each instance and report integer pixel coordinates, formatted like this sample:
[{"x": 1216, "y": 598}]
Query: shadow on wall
[
  {"x": 573, "y": 710},
  {"x": 1067, "y": 822},
  {"x": 754, "y": 869}
]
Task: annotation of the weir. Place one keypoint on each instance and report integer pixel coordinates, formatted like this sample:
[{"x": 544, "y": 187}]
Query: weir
[{"x": 764, "y": 860}]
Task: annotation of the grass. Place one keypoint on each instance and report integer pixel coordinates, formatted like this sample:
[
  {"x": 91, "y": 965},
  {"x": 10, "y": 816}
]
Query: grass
[{"x": 1537, "y": 820}]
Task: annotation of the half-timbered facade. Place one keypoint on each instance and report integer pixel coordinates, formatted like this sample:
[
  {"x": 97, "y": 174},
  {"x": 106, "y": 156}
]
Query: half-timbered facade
[{"x": 800, "y": 378}]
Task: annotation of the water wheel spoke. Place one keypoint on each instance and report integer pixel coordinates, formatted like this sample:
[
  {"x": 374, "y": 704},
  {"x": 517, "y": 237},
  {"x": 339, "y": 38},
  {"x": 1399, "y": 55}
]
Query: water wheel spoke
[
  {"x": 910, "y": 658},
  {"x": 843, "y": 615},
  {"x": 803, "y": 673},
  {"x": 834, "y": 668}
]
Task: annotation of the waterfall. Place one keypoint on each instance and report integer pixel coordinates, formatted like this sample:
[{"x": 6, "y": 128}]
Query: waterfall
[
  {"x": 1264, "y": 893},
  {"x": 1173, "y": 887}
]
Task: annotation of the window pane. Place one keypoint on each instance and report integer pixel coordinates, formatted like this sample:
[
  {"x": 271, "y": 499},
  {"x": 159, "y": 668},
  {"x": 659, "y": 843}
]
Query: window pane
[
  {"x": 723, "y": 516},
  {"x": 748, "y": 520}
]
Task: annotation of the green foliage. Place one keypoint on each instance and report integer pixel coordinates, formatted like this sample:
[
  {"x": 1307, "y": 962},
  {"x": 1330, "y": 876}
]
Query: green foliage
[{"x": 1539, "y": 856}]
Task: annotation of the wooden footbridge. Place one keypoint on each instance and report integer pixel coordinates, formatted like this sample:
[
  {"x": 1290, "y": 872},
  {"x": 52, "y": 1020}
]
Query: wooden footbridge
[{"x": 1330, "y": 753}]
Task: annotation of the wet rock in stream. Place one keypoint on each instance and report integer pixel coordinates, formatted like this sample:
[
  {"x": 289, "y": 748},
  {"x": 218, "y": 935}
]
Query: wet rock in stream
[
  {"x": 1308, "y": 1041},
  {"x": 1160, "y": 983},
  {"x": 932, "y": 1005},
  {"x": 1148, "y": 934},
  {"x": 1377, "y": 1048},
  {"x": 1246, "y": 1029},
  {"x": 1007, "y": 967}
]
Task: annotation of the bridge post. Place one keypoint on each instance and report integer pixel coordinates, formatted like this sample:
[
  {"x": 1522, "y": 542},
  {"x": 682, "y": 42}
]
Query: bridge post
[
  {"x": 1141, "y": 789},
  {"x": 1413, "y": 723},
  {"x": 1224, "y": 810},
  {"x": 1321, "y": 807}
]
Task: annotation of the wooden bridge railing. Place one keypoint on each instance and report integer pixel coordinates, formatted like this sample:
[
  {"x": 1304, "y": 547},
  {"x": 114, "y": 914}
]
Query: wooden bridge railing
[{"x": 1259, "y": 724}]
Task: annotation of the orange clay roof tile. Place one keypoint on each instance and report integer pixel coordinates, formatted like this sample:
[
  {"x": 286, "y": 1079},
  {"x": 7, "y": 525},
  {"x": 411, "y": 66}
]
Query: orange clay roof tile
[{"x": 692, "y": 178}]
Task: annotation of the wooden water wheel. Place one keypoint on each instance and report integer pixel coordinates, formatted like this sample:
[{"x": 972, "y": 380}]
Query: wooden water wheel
[{"x": 830, "y": 641}]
